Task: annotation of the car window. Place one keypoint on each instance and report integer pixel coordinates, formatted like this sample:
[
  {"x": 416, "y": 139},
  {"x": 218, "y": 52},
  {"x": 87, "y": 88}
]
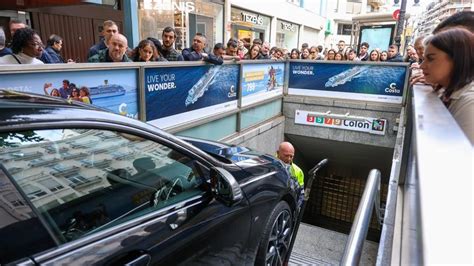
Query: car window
[
  {"x": 82, "y": 181},
  {"x": 21, "y": 232}
]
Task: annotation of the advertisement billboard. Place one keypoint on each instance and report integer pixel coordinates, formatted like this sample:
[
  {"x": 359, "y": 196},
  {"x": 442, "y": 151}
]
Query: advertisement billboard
[
  {"x": 115, "y": 90},
  {"x": 370, "y": 125},
  {"x": 177, "y": 95},
  {"x": 368, "y": 82},
  {"x": 261, "y": 81}
]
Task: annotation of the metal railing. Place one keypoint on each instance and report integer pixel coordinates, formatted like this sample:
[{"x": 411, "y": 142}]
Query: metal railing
[
  {"x": 355, "y": 242},
  {"x": 429, "y": 207}
]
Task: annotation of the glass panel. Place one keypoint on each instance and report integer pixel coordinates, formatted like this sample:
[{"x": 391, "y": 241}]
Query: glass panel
[
  {"x": 104, "y": 178},
  {"x": 260, "y": 113},
  {"x": 214, "y": 130}
]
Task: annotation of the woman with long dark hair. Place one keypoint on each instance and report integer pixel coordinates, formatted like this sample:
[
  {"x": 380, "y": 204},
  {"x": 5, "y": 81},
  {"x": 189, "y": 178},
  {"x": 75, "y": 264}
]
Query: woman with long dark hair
[
  {"x": 295, "y": 54},
  {"x": 253, "y": 53},
  {"x": 374, "y": 56},
  {"x": 305, "y": 54},
  {"x": 146, "y": 51},
  {"x": 448, "y": 65}
]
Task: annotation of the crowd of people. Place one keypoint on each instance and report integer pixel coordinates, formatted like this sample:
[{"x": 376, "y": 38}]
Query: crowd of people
[
  {"x": 444, "y": 60},
  {"x": 27, "y": 47}
]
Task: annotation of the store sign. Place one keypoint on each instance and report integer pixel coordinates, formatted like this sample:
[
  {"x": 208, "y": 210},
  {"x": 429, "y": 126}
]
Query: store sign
[
  {"x": 167, "y": 5},
  {"x": 288, "y": 26},
  {"x": 255, "y": 19},
  {"x": 362, "y": 124}
]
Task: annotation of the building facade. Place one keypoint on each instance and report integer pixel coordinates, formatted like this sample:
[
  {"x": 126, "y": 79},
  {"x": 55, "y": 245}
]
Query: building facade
[
  {"x": 341, "y": 12},
  {"x": 283, "y": 23},
  {"x": 438, "y": 11}
]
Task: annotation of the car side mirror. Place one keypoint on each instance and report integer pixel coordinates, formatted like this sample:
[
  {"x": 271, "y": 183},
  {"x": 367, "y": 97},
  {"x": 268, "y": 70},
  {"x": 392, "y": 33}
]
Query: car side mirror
[{"x": 224, "y": 187}]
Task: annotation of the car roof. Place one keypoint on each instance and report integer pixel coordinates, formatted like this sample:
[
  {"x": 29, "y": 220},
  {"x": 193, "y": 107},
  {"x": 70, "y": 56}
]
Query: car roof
[{"x": 18, "y": 109}]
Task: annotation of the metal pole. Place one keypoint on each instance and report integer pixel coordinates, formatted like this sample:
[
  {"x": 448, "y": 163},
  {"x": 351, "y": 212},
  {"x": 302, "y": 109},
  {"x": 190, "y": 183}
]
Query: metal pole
[
  {"x": 355, "y": 243},
  {"x": 307, "y": 191},
  {"x": 400, "y": 24}
]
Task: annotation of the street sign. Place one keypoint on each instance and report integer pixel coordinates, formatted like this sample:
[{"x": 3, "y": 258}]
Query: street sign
[{"x": 396, "y": 14}]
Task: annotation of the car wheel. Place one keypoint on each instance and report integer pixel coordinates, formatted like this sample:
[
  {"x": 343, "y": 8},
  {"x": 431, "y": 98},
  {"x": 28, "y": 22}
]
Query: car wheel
[{"x": 276, "y": 237}]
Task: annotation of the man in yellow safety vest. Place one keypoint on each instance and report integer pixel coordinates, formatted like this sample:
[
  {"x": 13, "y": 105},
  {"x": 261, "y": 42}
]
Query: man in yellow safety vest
[{"x": 286, "y": 152}]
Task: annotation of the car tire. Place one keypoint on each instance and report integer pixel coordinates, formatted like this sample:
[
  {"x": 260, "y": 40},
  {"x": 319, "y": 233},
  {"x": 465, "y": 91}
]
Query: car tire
[{"x": 276, "y": 237}]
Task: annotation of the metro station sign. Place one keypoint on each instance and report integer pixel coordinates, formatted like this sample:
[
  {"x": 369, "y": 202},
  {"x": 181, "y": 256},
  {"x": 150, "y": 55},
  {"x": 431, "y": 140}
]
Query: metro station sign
[{"x": 362, "y": 124}]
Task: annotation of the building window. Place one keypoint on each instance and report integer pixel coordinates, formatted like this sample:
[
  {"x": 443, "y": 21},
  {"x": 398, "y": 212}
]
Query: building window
[
  {"x": 353, "y": 6},
  {"x": 51, "y": 184},
  {"x": 33, "y": 192},
  {"x": 287, "y": 34},
  {"x": 187, "y": 17},
  {"x": 344, "y": 29}
]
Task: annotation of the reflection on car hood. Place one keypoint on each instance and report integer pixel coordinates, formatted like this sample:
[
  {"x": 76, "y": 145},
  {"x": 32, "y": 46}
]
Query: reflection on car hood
[{"x": 241, "y": 156}]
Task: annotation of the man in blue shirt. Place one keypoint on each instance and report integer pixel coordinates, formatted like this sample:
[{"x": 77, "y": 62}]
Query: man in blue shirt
[
  {"x": 65, "y": 91},
  {"x": 197, "y": 53},
  {"x": 51, "y": 54}
]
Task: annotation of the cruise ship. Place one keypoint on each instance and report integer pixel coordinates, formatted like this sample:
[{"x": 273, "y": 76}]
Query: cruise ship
[
  {"x": 106, "y": 90},
  {"x": 198, "y": 90},
  {"x": 345, "y": 76}
]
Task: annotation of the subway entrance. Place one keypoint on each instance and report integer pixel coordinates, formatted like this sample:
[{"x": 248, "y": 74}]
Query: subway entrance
[{"x": 338, "y": 187}]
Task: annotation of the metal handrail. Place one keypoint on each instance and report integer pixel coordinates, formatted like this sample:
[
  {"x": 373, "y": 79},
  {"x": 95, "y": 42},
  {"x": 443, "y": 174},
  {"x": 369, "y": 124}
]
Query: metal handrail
[{"x": 355, "y": 243}]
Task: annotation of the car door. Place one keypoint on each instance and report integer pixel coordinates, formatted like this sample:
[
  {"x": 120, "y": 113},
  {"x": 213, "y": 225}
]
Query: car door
[{"x": 110, "y": 197}]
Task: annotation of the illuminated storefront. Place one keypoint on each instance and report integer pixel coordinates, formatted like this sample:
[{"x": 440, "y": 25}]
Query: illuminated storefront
[
  {"x": 187, "y": 17},
  {"x": 247, "y": 26}
]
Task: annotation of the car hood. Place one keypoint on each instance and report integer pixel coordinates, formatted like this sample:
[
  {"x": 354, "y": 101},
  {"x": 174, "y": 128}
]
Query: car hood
[{"x": 231, "y": 154}]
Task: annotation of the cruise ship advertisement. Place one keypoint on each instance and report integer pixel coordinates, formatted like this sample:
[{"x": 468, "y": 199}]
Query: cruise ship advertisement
[
  {"x": 115, "y": 90},
  {"x": 369, "y": 82},
  {"x": 178, "y": 95},
  {"x": 261, "y": 81}
]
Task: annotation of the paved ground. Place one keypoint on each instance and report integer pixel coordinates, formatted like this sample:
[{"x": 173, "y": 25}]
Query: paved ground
[{"x": 318, "y": 246}]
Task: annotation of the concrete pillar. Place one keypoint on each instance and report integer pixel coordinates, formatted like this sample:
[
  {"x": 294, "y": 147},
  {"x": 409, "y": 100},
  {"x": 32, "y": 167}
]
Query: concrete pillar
[
  {"x": 130, "y": 25},
  {"x": 273, "y": 31},
  {"x": 227, "y": 21},
  {"x": 301, "y": 37}
]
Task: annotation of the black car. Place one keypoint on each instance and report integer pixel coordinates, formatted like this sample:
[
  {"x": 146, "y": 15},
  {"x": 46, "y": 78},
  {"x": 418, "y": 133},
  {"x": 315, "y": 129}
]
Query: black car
[{"x": 82, "y": 186}]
